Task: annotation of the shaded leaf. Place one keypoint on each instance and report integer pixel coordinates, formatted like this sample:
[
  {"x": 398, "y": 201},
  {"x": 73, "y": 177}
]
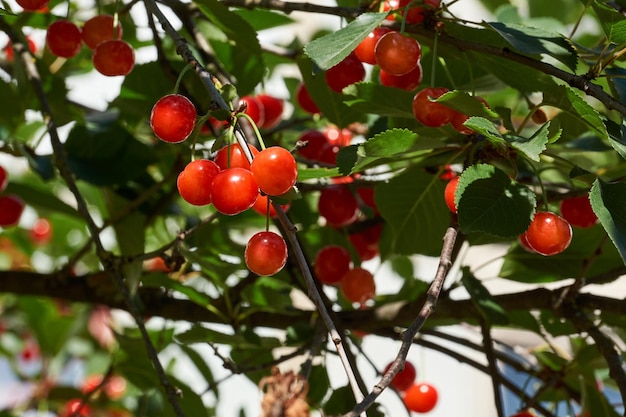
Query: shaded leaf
[
  {"x": 482, "y": 300},
  {"x": 607, "y": 201}
]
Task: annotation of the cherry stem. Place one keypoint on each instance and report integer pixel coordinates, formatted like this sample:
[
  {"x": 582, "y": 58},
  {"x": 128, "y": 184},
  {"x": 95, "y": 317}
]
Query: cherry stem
[
  {"x": 433, "y": 68},
  {"x": 254, "y": 128},
  {"x": 180, "y": 77}
]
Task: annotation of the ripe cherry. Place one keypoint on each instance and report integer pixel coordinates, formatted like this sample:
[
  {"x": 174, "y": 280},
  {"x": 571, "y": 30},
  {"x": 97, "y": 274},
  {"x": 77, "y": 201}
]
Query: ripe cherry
[
  {"x": 4, "y": 179},
  {"x": 366, "y": 241},
  {"x": 403, "y": 379},
  {"x": 337, "y": 136},
  {"x": 358, "y": 285},
  {"x": 99, "y": 29},
  {"x": 430, "y": 113},
  {"x": 173, "y": 118},
  {"x": 458, "y": 118},
  {"x": 315, "y": 143},
  {"x": 408, "y": 82},
  {"x": 449, "y": 193},
  {"x": 261, "y": 206},
  {"x": 275, "y": 170},
  {"x": 266, "y": 253},
  {"x": 524, "y": 413},
  {"x": 194, "y": 183},
  {"x": 113, "y": 57},
  {"x": 548, "y": 233},
  {"x": 397, "y": 54},
  {"x": 349, "y": 71},
  {"x": 10, "y": 53},
  {"x": 63, "y": 38},
  {"x": 523, "y": 241},
  {"x": 421, "y": 397},
  {"x": 11, "y": 208},
  {"x": 254, "y": 109},
  {"x": 416, "y": 14},
  {"x": 305, "y": 101},
  {"x": 338, "y": 205},
  {"x": 32, "y": 5},
  {"x": 234, "y": 190},
  {"x": 237, "y": 157},
  {"x": 578, "y": 212},
  {"x": 273, "y": 110},
  {"x": 75, "y": 408},
  {"x": 367, "y": 196},
  {"x": 41, "y": 232},
  {"x": 365, "y": 49},
  {"x": 331, "y": 264}
]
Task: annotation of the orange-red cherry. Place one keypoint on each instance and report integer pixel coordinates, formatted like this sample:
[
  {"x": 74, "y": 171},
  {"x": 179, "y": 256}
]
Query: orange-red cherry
[
  {"x": 266, "y": 253},
  {"x": 234, "y": 190},
  {"x": 358, "y": 285},
  {"x": 331, "y": 263},
  {"x": 275, "y": 170},
  {"x": 578, "y": 212},
  {"x": 100, "y": 28},
  {"x": 421, "y": 398},
  {"x": 548, "y": 233},
  {"x": 232, "y": 156},
  {"x": 113, "y": 57},
  {"x": 449, "y": 193},
  {"x": 194, "y": 183},
  {"x": 428, "y": 112},
  {"x": 173, "y": 118},
  {"x": 397, "y": 54}
]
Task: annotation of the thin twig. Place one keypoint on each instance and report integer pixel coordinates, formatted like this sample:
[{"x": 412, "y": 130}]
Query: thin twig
[{"x": 492, "y": 364}]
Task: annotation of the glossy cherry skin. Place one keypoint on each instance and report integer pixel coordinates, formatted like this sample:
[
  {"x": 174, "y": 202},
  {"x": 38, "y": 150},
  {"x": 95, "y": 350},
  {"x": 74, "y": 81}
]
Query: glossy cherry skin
[
  {"x": 315, "y": 143},
  {"x": 63, "y": 38},
  {"x": 273, "y": 107},
  {"x": 416, "y": 14},
  {"x": 421, "y": 398},
  {"x": 32, "y": 5},
  {"x": 113, "y": 58},
  {"x": 405, "y": 378},
  {"x": 349, "y": 71},
  {"x": 408, "y": 82},
  {"x": 358, "y": 285},
  {"x": 11, "y": 208},
  {"x": 578, "y": 212},
  {"x": 275, "y": 170},
  {"x": 548, "y": 233},
  {"x": 397, "y": 54},
  {"x": 331, "y": 264},
  {"x": 232, "y": 156},
  {"x": 173, "y": 118},
  {"x": 449, "y": 193},
  {"x": 365, "y": 49},
  {"x": 430, "y": 113},
  {"x": 4, "y": 179},
  {"x": 338, "y": 205},
  {"x": 305, "y": 101},
  {"x": 99, "y": 29},
  {"x": 254, "y": 109},
  {"x": 194, "y": 183},
  {"x": 234, "y": 190},
  {"x": 266, "y": 253}
]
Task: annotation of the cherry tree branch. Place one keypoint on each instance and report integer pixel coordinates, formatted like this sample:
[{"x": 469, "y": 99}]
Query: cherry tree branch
[{"x": 492, "y": 366}]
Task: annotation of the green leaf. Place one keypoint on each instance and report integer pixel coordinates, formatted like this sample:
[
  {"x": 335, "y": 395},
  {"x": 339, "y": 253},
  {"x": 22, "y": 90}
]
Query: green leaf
[
  {"x": 41, "y": 198},
  {"x": 617, "y": 136},
  {"x": 52, "y": 330},
  {"x": 268, "y": 294},
  {"x": 412, "y": 204},
  {"x": 395, "y": 142},
  {"x": 260, "y": 19},
  {"x": 489, "y": 201},
  {"x": 327, "y": 51},
  {"x": 201, "y": 366},
  {"x": 607, "y": 201},
  {"x": 608, "y": 16},
  {"x": 163, "y": 281},
  {"x": 518, "y": 76},
  {"x": 482, "y": 300},
  {"x": 372, "y": 98},
  {"x": 466, "y": 104},
  {"x": 568, "y": 100}
]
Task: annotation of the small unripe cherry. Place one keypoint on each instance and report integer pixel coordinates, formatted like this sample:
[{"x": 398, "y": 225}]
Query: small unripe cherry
[{"x": 266, "y": 253}]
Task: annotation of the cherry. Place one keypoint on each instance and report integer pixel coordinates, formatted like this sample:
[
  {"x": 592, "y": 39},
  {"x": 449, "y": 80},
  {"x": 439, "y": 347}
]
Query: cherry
[
  {"x": 523, "y": 241},
  {"x": 261, "y": 205},
  {"x": 405, "y": 378},
  {"x": 421, "y": 397},
  {"x": 273, "y": 110},
  {"x": 4, "y": 179},
  {"x": 458, "y": 118},
  {"x": 32, "y": 5},
  {"x": 578, "y": 212},
  {"x": 329, "y": 154},
  {"x": 449, "y": 193},
  {"x": 315, "y": 143},
  {"x": 331, "y": 264},
  {"x": 10, "y": 53},
  {"x": 11, "y": 208},
  {"x": 63, "y": 38},
  {"x": 447, "y": 174},
  {"x": 365, "y": 49},
  {"x": 157, "y": 265},
  {"x": 234, "y": 190},
  {"x": 254, "y": 109},
  {"x": 274, "y": 170},
  {"x": 366, "y": 242},
  {"x": 338, "y": 205},
  {"x": 408, "y": 82},
  {"x": 113, "y": 57},
  {"x": 266, "y": 253},
  {"x": 358, "y": 285},
  {"x": 41, "y": 232},
  {"x": 524, "y": 413},
  {"x": 237, "y": 157},
  {"x": 349, "y": 71},
  {"x": 194, "y": 183},
  {"x": 397, "y": 54},
  {"x": 416, "y": 14},
  {"x": 75, "y": 408},
  {"x": 305, "y": 101},
  {"x": 548, "y": 233},
  {"x": 114, "y": 387},
  {"x": 99, "y": 29},
  {"x": 173, "y": 118},
  {"x": 430, "y": 113},
  {"x": 367, "y": 196},
  {"x": 336, "y": 136}
]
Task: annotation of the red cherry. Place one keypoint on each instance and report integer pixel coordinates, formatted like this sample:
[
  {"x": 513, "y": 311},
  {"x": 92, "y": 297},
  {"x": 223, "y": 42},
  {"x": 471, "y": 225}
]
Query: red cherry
[
  {"x": 331, "y": 264},
  {"x": 11, "y": 208},
  {"x": 524, "y": 413},
  {"x": 113, "y": 57},
  {"x": 173, "y": 117},
  {"x": 328, "y": 155},
  {"x": 237, "y": 157},
  {"x": 254, "y": 109},
  {"x": 234, "y": 190},
  {"x": 115, "y": 387},
  {"x": 338, "y": 205},
  {"x": 416, "y": 14},
  {"x": 305, "y": 101},
  {"x": 449, "y": 193},
  {"x": 447, "y": 174},
  {"x": 261, "y": 205},
  {"x": 403, "y": 379},
  {"x": 358, "y": 285},
  {"x": 194, "y": 183},
  {"x": 99, "y": 29},
  {"x": 10, "y": 54},
  {"x": 349, "y": 71},
  {"x": 367, "y": 196},
  {"x": 266, "y": 253},
  {"x": 430, "y": 113},
  {"x": 523, "y": 241},
  {"x": 274, "y": 170},
  {"x": 63, "y": 38},
  {"x": 75, "y": 408},
  {"x": 4, "y": 179},
  {"x": 365, "y": 50},
  {"x": 336, "y": 136},
  {"x": 273, "y": 110},
  {"x": 458, "y": 118},
  {"x": 578, "y": 212},
  {"x": 41, "y": 232},
  {"x": 548, "y": 233},
  {"x": 397, "y": 54},
  {"x": 421, "y": 397},
  {"x": 408, "y": 82},
  {"x": 315, "y": 143},
  {"x": 32, "y": 5},
  {"x": 366, "y": 242}
]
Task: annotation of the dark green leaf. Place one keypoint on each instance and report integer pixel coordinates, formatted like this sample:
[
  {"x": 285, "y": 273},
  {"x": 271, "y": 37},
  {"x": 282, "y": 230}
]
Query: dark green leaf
[
  {"x": 396, "y": 142},
  {"x": 568, "y": 100},
  {"x": 268, "y": 294},
  {"x": 260, "y": 19},
  {"x": 556, "y": 325},
  {"x": 346, "y": 159},
  {"x": 607, "y": 200},
  {"x": 482, "y": 300},
  {"x": 372, "y": 98},
  {"x": 608, "y": 16}
]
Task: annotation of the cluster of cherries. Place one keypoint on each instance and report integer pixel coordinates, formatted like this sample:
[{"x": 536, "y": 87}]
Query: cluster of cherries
[
  {"x": 230, "y": 182},
  {"x": 418, "y": 397},
  {"x": 548, "y": 233},
  {"x": 114, "y": 388}
]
